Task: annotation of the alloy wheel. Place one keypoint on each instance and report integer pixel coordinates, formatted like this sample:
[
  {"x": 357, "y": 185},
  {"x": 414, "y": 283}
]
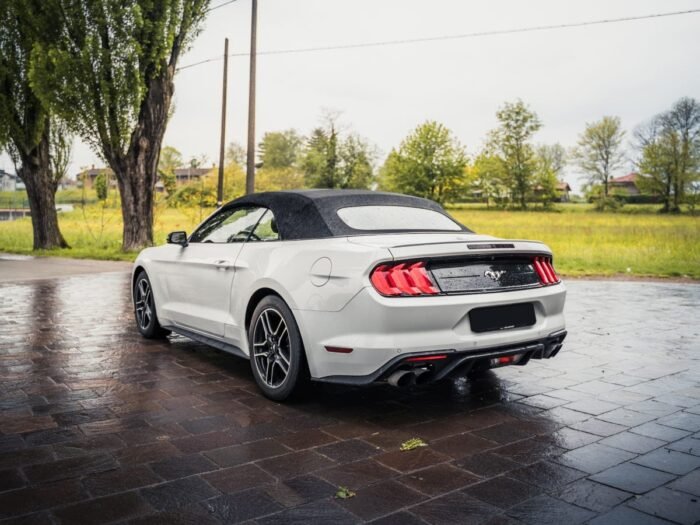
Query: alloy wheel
[
  {"x": 271, "y": 348},
  {"x": 144, "y": 304}
]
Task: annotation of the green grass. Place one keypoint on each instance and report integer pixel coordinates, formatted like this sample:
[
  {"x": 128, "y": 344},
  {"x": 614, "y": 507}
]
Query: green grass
[
  {"x": 586, "y": 242},
  {"x": 636, "y": 242}
]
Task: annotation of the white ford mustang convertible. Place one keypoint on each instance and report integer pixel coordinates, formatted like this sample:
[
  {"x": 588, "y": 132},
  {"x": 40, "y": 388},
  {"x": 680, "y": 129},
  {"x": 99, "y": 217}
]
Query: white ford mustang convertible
[{"x": 352, "y": 287}]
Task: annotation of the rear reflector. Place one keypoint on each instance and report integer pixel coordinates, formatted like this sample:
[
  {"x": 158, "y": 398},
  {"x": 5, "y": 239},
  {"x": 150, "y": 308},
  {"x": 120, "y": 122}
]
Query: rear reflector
[
  {"x": 506, "y": 360},
  {"x": 403, "y": 279},
  {"x": 421, "y": 358},
  {"x": 338, "y": 349},
  {"x": 545, "y": 270}
]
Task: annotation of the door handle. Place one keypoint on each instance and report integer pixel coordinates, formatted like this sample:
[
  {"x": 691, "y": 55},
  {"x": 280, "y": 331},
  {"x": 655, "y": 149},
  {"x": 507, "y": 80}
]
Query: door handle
[{"x": 223, "y": 264}]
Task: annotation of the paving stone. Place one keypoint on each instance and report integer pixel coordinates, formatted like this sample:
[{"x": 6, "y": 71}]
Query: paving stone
[
  {"x": 358, "y": 474},
  {"x": 239, "y": 454},
  {"x": 10, "y": 479},
  {"x": 462, "y": 445},
  {"x": 656, "y": 431},
  {"x": 594, "y": 407},
  {"x": 179, "y": 493},
  {"x": 182, "y": 466},
  {"x": 544, "y": 509},
  {"x": 347, "y": 451},
  {"x": 669, "y": 504},
  {"x": 598, "y": 427},
  {"x": 407, "y": 461},
  {"x": 314, "y": 512},
  {"x": 503, "y": 491},
  {"x": 547, "y": 475},
  {"x": 626, "y": 516},
  {"x": 627, "y": 418},
  {"x": 682, "y": 421},
  {"x": 689, "y": 445},
  {"x": 633, "y": 478},
  {"x": 438, "y": 479},
  {"x": 689, "y": 483},
  {"x": 487, "y": 465},
  {"x": 294, "y": 464},
  {"x": 236, "y": 479},
  {"x": 669, "y": 461},
  {"x": 457, "y": 508},
  {"x": 594, "y": 458},
  {"x": 380, "y": 499},
  {"x": 569, "y": 438},
  {"x": 69, "y": 468},
  {"x": 104, "y": 510},
  {"x": 592, "y": 496},
  {"x": 121, "y": 480},
  {"x": 243, "y": 506},
  {"x": 632, "y": 442}
]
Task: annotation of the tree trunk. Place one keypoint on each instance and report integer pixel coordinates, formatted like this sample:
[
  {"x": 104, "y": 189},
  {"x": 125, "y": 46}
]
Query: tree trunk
[
  {"x": 137, "y": 171},
  {"x": 41, "y": 191}
]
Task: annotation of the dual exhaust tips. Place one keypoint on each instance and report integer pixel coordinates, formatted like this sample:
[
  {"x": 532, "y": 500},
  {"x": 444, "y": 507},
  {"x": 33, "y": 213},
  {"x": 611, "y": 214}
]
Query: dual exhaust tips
[{"x": 404, "y": 378}]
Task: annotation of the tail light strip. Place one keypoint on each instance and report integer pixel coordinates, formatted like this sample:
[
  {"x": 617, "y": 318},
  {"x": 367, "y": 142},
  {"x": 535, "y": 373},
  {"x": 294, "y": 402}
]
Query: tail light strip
[
  {"x": 545, "y": 270},
  {"x": 403, "y": 279}
]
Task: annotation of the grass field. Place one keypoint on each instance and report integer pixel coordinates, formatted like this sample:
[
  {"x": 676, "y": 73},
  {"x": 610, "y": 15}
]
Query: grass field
[{"x": 637, "y": 242}]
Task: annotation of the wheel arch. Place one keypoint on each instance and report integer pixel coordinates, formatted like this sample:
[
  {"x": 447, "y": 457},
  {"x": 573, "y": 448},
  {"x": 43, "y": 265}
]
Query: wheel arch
[{"x": 258, "y": 296}]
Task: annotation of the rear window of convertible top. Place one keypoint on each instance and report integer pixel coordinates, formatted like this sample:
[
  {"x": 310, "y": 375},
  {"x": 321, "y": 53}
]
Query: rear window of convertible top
[{"x": 407, "y": 218}]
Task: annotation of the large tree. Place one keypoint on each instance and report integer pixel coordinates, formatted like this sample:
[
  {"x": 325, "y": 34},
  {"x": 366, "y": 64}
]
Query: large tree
[
  {"x": 110, "y": 76},
  {"x": 511, "y": 141},
  {"x": 599, "y": 152},
  {"x": 670, "y": 153},
  {"x": 429, "y": 163},
  {"x": 332, "y": 159},
  {"x": 550, "y": 160},
  {"x": 280, "y": 149},
  {"x": 25, "y": 122}
]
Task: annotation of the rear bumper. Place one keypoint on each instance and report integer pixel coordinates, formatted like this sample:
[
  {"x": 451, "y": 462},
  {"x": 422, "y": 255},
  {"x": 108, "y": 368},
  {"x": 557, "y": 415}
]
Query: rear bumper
[
  {"x": 457, "y": 363},
  {"x": 382, "y": 331}
]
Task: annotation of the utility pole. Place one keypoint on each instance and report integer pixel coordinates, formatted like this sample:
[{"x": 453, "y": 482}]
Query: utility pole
[
  {"x": 220, "y": 187},
  {"x": 250, "y": 164}
]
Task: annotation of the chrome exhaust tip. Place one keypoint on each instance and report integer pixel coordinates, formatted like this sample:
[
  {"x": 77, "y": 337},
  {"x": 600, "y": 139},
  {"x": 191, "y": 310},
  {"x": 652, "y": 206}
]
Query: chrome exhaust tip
[{"x": 401, "y": 378}]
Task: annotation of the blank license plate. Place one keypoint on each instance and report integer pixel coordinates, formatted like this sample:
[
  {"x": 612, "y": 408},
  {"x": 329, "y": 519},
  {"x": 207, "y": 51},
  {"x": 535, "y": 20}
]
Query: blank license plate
[{"x": 494, "y": 318}]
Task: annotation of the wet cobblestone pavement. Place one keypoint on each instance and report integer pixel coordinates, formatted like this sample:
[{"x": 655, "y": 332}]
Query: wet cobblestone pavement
[{"x": 98, "y": 425}]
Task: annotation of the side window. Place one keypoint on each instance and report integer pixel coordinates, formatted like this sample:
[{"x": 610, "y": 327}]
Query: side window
[
  {"x": 266, "y": 230},
  {"x": 232, "y": 225}
]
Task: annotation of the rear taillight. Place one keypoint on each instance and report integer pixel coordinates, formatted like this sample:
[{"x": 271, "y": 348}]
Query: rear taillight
[
  {"x": 545, "y": 270},
  {"x": 403, "y": 279}
]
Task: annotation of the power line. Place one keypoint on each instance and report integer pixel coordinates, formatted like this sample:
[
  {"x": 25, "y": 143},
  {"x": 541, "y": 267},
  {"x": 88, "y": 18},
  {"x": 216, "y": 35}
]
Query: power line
[
  {"x": 477, "y": 34},
  {"x": 220, "y": 5}
]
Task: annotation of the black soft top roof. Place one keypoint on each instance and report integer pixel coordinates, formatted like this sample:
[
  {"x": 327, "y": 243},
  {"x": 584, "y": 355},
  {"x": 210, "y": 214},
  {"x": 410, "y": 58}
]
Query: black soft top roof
[{"x": 312, "y": 214}]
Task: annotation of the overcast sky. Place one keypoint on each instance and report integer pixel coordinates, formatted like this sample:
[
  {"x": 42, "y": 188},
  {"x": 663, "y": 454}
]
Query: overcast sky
[{"x": 569, "y": 77}]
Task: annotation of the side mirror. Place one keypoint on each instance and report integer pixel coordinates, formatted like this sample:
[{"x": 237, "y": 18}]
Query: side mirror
[{"x": 178, "y": 238}]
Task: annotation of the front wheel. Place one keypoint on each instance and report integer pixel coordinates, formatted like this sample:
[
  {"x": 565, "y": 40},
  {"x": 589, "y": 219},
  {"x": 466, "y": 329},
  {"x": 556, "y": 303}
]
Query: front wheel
[
  {"x": 276, "y": 351},
  {"x": 145, "y": 309}
]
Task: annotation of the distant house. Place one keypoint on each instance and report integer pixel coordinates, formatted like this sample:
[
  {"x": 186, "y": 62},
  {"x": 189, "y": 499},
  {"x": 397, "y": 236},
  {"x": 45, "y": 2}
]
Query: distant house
[
  {"x": 10, "y": 181},
  {"x": 625, "y": 185},
  {"x": 563, "y": 190},
  {"x": 182, "y": 176}
]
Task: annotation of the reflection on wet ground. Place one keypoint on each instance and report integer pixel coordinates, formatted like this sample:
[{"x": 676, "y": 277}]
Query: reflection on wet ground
[{"x": 98, "y": 425}]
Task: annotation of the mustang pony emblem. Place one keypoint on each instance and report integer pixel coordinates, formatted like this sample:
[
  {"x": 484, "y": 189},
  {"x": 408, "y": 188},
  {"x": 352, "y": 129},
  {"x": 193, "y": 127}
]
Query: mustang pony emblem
[{"x": 494, "y": 274}]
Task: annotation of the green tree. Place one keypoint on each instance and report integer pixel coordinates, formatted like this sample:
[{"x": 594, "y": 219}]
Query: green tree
[
  {"x": 110, "y": 76},
  {"x": 486, "y": 177},
  {"x": 25, "y": 121},
  {"x": 683, "y": 120},
  {"x": 102, "y": 186},
  {"x": 511, "y": 141},
  {"x": 170, "y": 160},
  {"x": 599, "y": 152},
  {"x": 331, "y": 160},
  {"x": 280, "y": 149},
  {"x": 670, "y": 153},
  {"x": 550, "y": 160},
  {"x": 235, "y": 154},
  {"x": 429, "y": 163}
]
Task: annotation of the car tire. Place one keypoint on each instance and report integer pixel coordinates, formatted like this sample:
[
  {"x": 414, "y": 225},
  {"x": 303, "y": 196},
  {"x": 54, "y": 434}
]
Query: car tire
[
  {"x": 277, "y": 356},
  {"x": 145, "y": 309}
]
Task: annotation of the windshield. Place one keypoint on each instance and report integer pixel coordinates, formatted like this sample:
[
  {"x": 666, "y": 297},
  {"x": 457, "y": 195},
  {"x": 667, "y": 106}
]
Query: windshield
[{"x": 396, "y": 218}]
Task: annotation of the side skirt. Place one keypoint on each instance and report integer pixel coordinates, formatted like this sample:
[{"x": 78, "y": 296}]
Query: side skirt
[{"x": 207, "y": 340}]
